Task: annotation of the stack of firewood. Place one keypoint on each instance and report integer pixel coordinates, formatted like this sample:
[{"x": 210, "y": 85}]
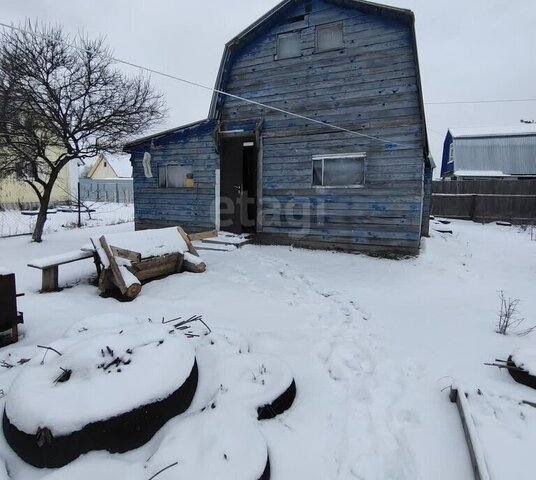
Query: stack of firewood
[{"x": 125, "y": 270}]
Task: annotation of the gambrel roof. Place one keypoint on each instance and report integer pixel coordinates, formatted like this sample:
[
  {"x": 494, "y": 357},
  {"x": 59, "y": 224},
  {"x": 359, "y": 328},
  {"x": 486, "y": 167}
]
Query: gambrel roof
[
  {"x": 274, "y": 16},
  {"x": 271, "y": 18}
]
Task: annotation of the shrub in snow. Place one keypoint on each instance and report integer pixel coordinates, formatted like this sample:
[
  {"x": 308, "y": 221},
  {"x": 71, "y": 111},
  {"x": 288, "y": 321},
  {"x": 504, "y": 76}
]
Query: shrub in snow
[
  {"x": 509, "y": 321},
  {"x": 109, "y": 391}
]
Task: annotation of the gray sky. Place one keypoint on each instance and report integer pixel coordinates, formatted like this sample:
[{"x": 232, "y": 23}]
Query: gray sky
[{"x": 469, "y": 49}]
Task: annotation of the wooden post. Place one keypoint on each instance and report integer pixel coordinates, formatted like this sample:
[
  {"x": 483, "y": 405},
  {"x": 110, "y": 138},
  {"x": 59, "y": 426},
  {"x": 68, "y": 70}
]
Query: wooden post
[
  {"x": 79, "y": 211},
  {"x": 50, "y": 279}
]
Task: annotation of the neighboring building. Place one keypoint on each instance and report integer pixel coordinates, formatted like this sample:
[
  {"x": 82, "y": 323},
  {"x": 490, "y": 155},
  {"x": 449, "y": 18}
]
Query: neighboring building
[
  {"x": 490, "y": 152},
  {"x": 18, "y": 194},
  {"x": 109, "y": 167},
  {"x": 288, "y": 180},
  {"x": 108, "y": 178}
]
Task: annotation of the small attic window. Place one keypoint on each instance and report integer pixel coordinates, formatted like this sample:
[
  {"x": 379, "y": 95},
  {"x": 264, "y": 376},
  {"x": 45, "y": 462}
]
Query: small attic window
[
  {"x": 329, "y": 37},
  {"x": 288, "y": 45}
]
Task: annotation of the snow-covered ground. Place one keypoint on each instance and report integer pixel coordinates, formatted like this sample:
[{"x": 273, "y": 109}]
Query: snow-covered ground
[
  {"x": 372, "y": 344},
  {"x": 13, "y": 222}
]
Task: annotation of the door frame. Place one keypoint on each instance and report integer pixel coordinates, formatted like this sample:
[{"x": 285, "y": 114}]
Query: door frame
[{"x": 244, "y": 137}]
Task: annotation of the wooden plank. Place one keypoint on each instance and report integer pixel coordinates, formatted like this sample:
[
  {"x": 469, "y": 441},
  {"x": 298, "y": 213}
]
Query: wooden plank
[
  {"x": 480, "y": 469},
  {"x": 326, "y": 244},
  {"x": 157, "y": 267},
  {"x": 47, "y": 262},
  {"x": 202, "y": 235},
  {"x": 189, "y": 244},
  {"x": 131, "y": 290},
  {"x": 129, "y": 255}
]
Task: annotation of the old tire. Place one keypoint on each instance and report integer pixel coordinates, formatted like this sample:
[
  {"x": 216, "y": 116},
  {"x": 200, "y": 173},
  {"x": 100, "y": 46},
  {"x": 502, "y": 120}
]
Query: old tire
[
  {"x": 116, "y": 435},
  {"x": 522, "y": 377}
]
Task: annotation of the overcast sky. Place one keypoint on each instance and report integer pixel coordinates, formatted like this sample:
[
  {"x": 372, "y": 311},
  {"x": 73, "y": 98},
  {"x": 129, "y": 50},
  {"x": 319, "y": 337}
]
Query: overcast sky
[{"x": 469, "y": 49}]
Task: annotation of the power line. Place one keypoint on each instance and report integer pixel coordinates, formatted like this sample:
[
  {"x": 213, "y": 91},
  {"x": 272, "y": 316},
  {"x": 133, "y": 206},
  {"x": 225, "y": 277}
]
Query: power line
[{"x": 221, "y": 92}]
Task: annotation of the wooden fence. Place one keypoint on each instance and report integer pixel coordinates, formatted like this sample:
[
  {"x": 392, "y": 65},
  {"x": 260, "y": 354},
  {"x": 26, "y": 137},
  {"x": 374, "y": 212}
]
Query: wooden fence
[
  {"x": 118, "y": 190},
  {"x": 486, "y": 200}
]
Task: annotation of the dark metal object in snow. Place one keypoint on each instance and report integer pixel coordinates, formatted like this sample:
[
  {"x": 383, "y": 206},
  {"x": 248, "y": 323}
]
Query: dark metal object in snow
[
  {"x": 117, "y": 435},
  {"x": 10, "y": 317}
]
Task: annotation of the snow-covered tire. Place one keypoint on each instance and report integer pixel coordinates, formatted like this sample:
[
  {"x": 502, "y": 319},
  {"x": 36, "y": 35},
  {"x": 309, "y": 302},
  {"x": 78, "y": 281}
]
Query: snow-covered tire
[
  {"x": 218, "y": 443},
  {"x": 262, "y": 384},
  {"x": 280, "y": 405},
  {"x": 116, "y": 435},
  {"x": 109, "y": 396},
  {"x": 523, "y": 376}
]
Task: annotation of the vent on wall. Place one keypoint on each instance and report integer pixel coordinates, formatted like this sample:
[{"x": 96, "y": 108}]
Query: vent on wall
[{"x": 297, "y": 18}]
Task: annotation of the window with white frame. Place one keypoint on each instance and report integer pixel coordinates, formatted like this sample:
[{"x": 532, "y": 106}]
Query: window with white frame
[
  {"x": 346, "y": 170},
  {"x": 329, "y": 37},
  {"x": 289, "y": 45},
  {"x": 174, "y": 176}
]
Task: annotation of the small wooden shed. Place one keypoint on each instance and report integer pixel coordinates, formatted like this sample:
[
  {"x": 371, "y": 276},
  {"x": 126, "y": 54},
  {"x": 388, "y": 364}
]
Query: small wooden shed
[{"x": 353, "y": 175}]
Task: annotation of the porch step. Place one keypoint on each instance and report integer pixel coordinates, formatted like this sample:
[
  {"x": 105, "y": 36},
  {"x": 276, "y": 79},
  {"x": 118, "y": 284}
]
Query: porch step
[{"x": 224, "y": 242}]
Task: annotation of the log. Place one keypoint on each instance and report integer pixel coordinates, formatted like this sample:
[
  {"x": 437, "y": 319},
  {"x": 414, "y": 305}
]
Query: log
[
  {"x": 192, "y": 263},
  {"x": 106, "y": 280},
  {"x": 131, "y": 281},
  {"x": 156, "y": 267},
  {"x": 127, "y": 283}
]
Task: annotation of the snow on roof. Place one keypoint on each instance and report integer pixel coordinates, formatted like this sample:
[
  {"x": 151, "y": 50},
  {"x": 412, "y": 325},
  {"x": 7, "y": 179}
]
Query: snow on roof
[
  {"x": 525, "y": 129},
  {"x": 120, "y": 164},
  {"x": 480, "y": 173}
]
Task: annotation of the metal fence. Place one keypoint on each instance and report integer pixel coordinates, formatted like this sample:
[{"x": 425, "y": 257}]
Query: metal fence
[
  {"x": 110, "y": 191},
  {"x": 486, "y": 200}
]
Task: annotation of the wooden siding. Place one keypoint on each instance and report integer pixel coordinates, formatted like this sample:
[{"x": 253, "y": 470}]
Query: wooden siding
[
  {"x": 371, "y": 86},
  {"x": 192, "y": 208}
]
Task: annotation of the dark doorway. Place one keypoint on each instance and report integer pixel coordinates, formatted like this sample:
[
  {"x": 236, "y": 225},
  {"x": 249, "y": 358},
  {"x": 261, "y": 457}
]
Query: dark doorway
[{"x": 238, "y": 190}]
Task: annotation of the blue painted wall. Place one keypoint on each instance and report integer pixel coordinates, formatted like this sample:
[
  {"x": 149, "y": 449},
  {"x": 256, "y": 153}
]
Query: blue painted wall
[
  {"x": 370, "y": 86},
  {"x": 192, "y": 208}
]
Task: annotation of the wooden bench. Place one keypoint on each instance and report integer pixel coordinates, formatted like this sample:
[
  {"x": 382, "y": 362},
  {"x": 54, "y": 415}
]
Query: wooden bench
[
  {"x": 10, "y": 317},
  {"x": 49, "y": 267}
]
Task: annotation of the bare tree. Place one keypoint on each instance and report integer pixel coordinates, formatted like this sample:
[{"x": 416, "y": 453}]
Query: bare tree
[{"x": 62, "y": 99}]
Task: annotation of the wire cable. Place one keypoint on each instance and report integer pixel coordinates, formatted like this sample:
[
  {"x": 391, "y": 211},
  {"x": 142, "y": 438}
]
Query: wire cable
[{"x": 221, "y": 92}]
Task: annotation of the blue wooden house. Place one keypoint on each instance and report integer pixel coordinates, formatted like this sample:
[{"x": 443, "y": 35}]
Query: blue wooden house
[{"x": 321, "y": 141}]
